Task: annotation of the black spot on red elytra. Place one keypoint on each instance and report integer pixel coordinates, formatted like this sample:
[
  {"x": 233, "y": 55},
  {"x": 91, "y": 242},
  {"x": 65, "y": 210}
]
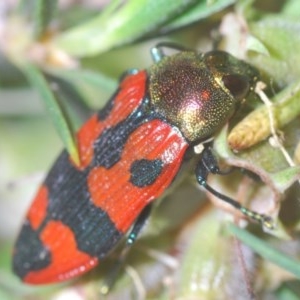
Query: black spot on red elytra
[{"x": 144, "y": 172}]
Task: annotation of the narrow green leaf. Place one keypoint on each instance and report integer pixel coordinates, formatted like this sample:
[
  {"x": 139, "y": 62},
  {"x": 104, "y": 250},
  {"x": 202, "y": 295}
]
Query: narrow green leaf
[
  {"x": 266, "y": 251},
  {"x": 44, "y": 11},
  {"x": 88, "y": 84},
  {"x": 288, "y": 290},
  {"x": 54, "y": 108},
  {"x": 201, "y": 10},
  {"x": 130, "y": 21}
]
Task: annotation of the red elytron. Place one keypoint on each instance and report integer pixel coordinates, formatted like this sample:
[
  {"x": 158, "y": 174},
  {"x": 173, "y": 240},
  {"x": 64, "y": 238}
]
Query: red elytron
[{"x": 130, "y": 153}]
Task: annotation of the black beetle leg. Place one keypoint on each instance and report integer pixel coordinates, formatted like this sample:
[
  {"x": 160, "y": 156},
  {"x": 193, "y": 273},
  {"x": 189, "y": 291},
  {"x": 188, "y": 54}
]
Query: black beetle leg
[{"x": 208, "y": 164}]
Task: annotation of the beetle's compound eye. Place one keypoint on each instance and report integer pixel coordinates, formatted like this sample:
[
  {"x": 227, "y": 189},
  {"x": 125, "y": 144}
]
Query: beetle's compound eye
[{"x": 238, "y": 85}]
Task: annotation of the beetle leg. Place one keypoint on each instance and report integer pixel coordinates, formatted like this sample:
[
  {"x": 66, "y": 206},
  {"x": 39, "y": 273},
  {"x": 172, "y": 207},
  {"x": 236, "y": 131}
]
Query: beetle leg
[
  {"x": 133, "y": 234},
  {"x": 138, "y": 225},
  {"x": 157, "y": 52},
  {"x": 208, "y": 164}
]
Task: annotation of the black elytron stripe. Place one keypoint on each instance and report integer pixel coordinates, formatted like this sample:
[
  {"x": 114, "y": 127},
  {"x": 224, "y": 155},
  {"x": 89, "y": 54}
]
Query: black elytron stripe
[
  {"x": 109, "y": 146},
  {"x": 106, "y": 110},
  {"x": 29, "y": 257},
  {"x": 71, "y": 203}
]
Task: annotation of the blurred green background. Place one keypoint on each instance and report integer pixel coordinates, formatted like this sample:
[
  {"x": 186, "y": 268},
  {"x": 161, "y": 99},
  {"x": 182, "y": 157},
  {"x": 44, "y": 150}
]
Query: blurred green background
[{"x": 61, "y": 60}]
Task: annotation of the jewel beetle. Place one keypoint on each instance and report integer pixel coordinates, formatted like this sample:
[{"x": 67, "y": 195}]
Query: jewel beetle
[{"x": 130, "y": 152}]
